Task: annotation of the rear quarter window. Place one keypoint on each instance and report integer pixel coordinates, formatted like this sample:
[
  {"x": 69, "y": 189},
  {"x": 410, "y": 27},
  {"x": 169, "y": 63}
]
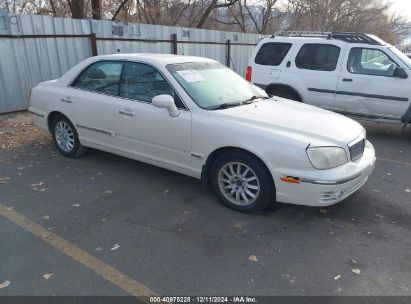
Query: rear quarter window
[{"x": 272, "y": 53}]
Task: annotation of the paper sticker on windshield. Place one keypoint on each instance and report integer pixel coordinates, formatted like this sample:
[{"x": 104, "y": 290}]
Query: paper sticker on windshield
[{"x": 191, "y": 75}]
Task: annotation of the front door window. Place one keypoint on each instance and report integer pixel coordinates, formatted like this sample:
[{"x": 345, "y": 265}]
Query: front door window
[{"x": 370, "y": 62}]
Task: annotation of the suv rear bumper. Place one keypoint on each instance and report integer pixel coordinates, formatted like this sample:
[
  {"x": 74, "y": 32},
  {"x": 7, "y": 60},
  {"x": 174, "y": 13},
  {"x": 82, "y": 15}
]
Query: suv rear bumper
[{"x": 323, "y": 187}]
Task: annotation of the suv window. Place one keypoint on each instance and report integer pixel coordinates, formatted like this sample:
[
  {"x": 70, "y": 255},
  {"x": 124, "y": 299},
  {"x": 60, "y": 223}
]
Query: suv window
[
  {"x": 370, "y": 62},
  {"x": 272, "y": 53},
  {"x": 142, "y": 82},
  {"x": 319, "y": 57},
  {"x": 102, "y": 77}
]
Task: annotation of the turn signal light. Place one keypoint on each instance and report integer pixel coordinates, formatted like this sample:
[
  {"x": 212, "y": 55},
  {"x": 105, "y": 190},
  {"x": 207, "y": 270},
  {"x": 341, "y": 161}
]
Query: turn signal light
[{"x": 290, "y": 179}]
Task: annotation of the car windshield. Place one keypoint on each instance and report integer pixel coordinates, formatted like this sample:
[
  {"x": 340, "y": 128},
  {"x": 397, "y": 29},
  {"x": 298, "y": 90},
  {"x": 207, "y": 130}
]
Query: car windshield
[
  {"x": 401, "y": 56},
  {"x": 214, "y": 86}
]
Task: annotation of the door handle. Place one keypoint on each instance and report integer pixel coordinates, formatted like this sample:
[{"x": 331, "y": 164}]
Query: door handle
[
  {"x": 66, "y": 100},
  {"x": 288, "y": 64},
  {"x": 347, "y": 79},
  {"x": 127, "y": 113}
]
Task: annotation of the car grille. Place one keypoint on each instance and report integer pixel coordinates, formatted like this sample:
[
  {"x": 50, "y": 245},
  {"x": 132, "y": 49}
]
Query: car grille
[{"x": 357, "y": 150}]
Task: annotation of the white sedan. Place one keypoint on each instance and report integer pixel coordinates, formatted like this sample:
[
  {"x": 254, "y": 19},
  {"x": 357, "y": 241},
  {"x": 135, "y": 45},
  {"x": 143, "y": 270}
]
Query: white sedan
[{"x": 195, "y": 116}]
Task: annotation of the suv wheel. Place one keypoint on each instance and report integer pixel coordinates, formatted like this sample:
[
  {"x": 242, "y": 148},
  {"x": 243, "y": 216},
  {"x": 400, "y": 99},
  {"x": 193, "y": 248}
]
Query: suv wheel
[
  {"x": 242, "y": 182},
  {"x": 66, "y": 138}
]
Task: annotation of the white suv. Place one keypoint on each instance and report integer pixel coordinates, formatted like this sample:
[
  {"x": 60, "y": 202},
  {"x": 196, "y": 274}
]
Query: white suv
[{"x": 352, "y": 73}]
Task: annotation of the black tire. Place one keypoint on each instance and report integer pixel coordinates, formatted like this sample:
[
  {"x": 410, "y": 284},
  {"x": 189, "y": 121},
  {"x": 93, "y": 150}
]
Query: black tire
[
  {"x": 77, "y": 150},
  {"x": 266, "y": 194},
  {"x": 284, "y": 93}
]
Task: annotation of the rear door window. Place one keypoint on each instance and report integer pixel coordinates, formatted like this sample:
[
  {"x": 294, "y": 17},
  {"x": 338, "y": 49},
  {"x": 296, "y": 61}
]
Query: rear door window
[
  {"x": 272, "y": 53},
  {"x": 101, "y": 77},
  {"x": 318, "y": 57}
]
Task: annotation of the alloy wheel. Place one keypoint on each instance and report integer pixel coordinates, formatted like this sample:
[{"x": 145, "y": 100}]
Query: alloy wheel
[{"x": 238, "y": 183}]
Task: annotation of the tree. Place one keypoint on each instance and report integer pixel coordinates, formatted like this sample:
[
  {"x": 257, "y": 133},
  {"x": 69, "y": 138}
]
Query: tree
[
  {"x": 257, "y": 16},
  {"x": 96, "y": 9},
  {"x": 248, "y": 16},
  {"x": 76, "y": 8},
  {"x": 53, "y": 8},
  {"x": 372, "y": 16},
  {"x": 212, "y": 6},
  {"x": 262, "y": 14},
  {"x": 121, "y": 6}
]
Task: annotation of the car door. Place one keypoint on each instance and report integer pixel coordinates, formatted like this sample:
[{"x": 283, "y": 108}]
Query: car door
[
  {"x": 367, "y": 85},
  {"x": 315, "y": 70},
  {"x": 92, "y": 97},
  {"x": 145, "y": 131}
]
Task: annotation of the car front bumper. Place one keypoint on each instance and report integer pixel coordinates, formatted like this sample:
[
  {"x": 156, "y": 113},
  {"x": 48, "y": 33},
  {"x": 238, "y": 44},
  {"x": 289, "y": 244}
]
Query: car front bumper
[{"x": 319, "y": 188}]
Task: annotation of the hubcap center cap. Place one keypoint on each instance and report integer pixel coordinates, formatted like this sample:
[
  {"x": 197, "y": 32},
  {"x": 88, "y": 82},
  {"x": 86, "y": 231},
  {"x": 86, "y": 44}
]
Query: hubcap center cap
[{"x": 237, "y": 183}]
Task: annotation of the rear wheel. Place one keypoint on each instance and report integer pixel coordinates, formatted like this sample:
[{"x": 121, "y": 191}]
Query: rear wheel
[
  {"x": 284, "y": 92},
  {"x": 66, "y": 138},
  {"x": 242, "y": 182}
]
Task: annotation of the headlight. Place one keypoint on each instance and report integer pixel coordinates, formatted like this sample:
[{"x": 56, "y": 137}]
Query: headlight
[{"x": 326, "y": 157}]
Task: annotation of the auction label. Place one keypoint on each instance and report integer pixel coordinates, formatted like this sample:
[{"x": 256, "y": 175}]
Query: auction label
[{"x": 191, "y": 75}]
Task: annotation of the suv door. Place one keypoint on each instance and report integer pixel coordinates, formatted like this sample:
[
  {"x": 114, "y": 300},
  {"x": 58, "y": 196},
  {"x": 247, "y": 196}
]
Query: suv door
[
  {"x": 367, "y": 86},
  {"x": 91, "y": 97},
  {"x": 315, "y": 69},
  {"x": 146, "y": 131}
]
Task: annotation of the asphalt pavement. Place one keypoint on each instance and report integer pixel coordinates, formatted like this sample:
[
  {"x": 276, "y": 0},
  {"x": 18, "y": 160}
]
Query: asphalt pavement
[{"x": 164, "y": 231}]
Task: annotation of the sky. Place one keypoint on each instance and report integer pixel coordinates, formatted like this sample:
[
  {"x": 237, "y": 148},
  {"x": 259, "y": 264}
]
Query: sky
[{"x": 403, "y": 6}]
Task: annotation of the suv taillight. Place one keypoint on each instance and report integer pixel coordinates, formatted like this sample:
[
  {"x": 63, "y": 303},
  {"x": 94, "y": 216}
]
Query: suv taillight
[{"x": 249, "y": 72}]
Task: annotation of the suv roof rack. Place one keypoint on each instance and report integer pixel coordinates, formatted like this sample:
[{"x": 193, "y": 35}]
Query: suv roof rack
[
  {"x": 350, "y": 37},
  {"x": 301, "y": 34}
]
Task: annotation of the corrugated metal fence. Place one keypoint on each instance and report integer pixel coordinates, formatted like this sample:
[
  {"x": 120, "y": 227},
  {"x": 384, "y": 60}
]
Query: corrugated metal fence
[{"x": 39, "y": 48}]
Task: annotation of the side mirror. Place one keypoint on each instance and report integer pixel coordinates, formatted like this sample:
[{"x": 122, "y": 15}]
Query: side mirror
[
  {"x": 400, "y": 73},
  {"x": 166, "y": 102}
]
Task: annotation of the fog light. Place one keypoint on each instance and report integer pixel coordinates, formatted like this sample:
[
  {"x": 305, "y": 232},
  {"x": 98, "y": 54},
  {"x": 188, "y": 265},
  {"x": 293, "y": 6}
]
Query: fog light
[{"x": 339, "y": 194}]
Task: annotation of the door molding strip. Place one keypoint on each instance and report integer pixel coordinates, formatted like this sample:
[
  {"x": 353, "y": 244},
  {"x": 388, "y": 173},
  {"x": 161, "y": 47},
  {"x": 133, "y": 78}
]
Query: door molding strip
[
  {"x": 359, "y": 94},
  {"x": 95, "y": 130}
]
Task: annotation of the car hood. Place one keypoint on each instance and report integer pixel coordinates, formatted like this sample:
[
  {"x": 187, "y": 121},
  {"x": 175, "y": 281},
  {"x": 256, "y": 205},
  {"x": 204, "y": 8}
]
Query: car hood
[{"x": 303, "y": 122}]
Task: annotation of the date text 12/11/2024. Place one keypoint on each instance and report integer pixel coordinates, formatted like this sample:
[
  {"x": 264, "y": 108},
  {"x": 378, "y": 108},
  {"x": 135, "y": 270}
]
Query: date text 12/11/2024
[{"x": 204, "y": 299}]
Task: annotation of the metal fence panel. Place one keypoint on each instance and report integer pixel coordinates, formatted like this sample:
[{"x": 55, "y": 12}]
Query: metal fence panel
[{"x": 26, "y": 61}]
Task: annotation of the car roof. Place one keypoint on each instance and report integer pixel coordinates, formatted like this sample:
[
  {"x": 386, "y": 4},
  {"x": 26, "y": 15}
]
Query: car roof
[
  {"x": 158, "y": 58},
  {"x": 148, "y": 58}
]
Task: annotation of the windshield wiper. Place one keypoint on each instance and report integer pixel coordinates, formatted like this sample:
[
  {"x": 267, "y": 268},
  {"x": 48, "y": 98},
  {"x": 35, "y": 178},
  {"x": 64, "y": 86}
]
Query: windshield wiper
[
  {"x": 226, "y": 105},
  {"x": 236, "y": 104},
  {"x": 253, "y": 99}
]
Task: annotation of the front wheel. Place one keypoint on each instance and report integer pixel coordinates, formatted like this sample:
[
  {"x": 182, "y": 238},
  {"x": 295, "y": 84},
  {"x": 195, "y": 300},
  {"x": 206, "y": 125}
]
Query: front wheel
[
  {"x": 66, "y": 138},
  {"x": 242, "y": 182}
]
